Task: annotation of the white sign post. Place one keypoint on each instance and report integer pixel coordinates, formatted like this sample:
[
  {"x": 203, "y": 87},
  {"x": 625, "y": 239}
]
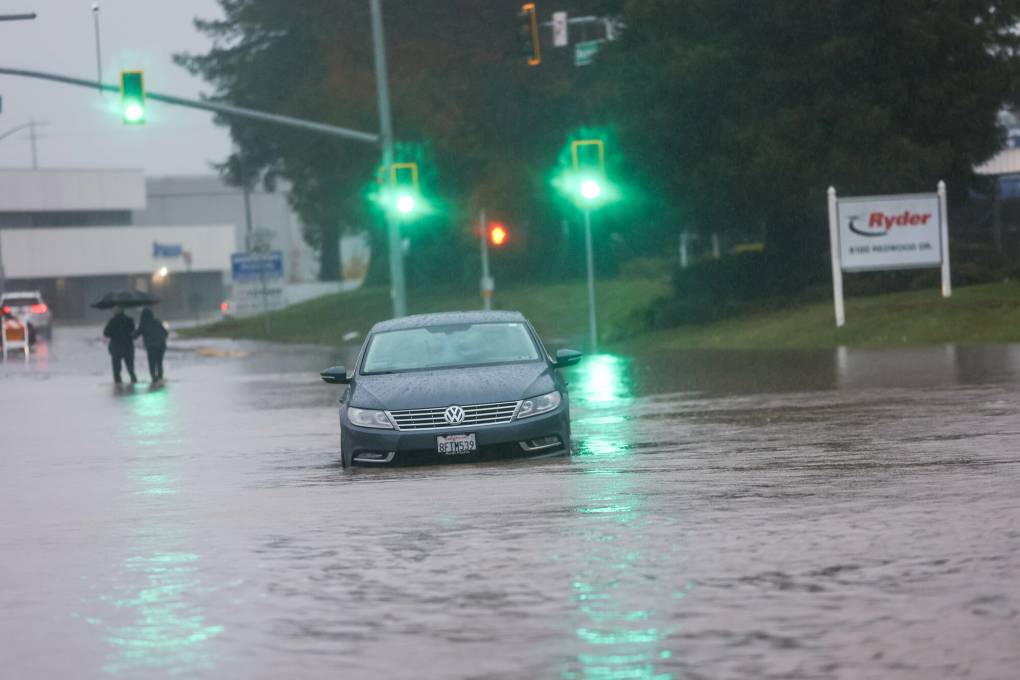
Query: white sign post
[
  {"x": 872, "y": 233},
  {"x": 837, "y": 269}
]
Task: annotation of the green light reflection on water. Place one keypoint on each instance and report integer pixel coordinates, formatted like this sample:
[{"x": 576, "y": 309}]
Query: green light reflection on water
[
  {"x": 167, "y": 632},
  {"x": 615, "y": 606},
  {"x": 603, "y": 394},
  {"x": 158, "y": 585},
  {"x": 600, "y": 381}
]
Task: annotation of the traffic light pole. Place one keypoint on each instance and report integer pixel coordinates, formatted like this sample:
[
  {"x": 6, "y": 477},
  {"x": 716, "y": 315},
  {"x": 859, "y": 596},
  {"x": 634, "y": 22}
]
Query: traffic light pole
[
  {"x": 486, "y": 282},
  {"x": 385, "y": 138},
  {"x": 398, "y": 288},
  {"x": 592, "y": 327},
  {"x": 222, "y": 109}
]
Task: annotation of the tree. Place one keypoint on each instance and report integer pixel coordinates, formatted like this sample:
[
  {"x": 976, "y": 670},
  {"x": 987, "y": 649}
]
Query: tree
[
  {"x": 283, "y": 57},
  {"x": 457, "y": 82},
  {"x": 744, "y": 113}
]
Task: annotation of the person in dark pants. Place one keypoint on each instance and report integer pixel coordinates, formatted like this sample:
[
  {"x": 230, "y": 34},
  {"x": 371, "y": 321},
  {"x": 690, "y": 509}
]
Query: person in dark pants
[
  {"x": 120, "y": 330},
  {"x": 153, "y": 334}
]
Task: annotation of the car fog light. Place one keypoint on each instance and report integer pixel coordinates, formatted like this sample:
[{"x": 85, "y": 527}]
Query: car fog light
[
  {"x": 540, "y": 443},
  {"x": 375, "y": 456}
]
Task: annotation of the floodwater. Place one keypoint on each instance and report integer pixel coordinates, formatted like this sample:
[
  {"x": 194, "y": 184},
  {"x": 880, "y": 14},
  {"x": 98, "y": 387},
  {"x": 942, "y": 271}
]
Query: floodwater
[{"x": 843, "y": 514}]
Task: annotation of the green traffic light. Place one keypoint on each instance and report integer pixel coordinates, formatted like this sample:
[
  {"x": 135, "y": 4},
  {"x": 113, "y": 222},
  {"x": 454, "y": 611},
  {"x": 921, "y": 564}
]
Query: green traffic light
[
  {"x": 590, "y": 189},
  {"x": 405, "y": 203},
  {"x": 132, "y": 96},
  {"x": 133, "y": 113}
]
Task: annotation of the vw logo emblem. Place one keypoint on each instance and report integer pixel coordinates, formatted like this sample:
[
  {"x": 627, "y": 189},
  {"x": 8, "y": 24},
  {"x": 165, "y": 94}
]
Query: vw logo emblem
[{"x": 453, "y": 414}]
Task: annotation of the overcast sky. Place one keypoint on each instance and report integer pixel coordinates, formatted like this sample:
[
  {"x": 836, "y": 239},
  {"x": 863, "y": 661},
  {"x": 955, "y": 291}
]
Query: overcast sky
[{"x": 85, "y": 129}]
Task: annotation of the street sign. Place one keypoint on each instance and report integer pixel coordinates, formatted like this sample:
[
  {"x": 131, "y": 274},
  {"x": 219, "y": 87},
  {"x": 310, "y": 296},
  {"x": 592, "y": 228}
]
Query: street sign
[
  {"x": 559, "y": 29},
  {"x": 584, "y": 52},
  {"x": 247, "y": 267},
  {"x": 255, "y": 298}
]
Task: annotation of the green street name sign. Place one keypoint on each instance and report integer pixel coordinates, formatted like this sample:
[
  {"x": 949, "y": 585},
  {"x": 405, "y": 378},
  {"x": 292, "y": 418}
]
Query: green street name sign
[{"x": 584, "y": 52}]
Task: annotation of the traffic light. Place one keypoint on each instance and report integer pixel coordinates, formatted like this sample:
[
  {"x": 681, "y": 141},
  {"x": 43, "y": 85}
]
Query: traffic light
[
  {"x": 584, "y": 176},
  {"x": 498, "y": 234},
  {"x": 527, "y": 30},
  {"x": 404, "y": 192},
  {"x": 590, "y": 189},
  {"x": 588, "y": 157},
  {"x": 132, "y": 97}
]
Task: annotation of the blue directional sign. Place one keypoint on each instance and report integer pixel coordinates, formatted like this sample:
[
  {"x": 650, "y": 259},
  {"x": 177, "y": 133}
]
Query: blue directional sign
[
  {"x": 256, "y": 266},
  {"x": 167, "y": 249}
]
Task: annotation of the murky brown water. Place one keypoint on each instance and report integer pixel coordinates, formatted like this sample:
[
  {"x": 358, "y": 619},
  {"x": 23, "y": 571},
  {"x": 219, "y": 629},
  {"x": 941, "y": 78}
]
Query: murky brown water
[{"x": 728, "y": 515}]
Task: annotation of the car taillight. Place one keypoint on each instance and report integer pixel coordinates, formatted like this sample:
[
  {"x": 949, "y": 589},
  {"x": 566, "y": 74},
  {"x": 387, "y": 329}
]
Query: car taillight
[
  {"x": 6, "y": 309},
  {"x": 39, "y": 308},
  {"x": 224, "y": 306}
]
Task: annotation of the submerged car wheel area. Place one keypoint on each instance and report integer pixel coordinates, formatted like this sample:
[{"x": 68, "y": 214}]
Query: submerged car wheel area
[{"x": 453, "y": 387}]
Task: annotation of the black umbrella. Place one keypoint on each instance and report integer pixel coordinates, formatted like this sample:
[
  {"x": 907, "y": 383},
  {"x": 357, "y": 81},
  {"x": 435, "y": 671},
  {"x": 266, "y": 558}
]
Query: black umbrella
[{"x": 125, "y": 298}]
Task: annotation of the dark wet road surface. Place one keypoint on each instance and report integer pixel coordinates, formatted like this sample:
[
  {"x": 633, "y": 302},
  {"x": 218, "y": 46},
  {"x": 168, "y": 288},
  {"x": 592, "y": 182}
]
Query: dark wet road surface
[{"x": 727, "y": 515}]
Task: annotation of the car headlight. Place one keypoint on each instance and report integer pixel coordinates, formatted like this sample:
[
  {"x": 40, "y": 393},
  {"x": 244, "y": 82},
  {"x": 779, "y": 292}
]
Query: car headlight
[
  {"x": 367, "y": 417},
  {"x": 540, "y": 404}
]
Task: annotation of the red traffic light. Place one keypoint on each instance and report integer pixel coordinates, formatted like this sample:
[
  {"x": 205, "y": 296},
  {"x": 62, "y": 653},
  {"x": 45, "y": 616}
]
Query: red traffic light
[{"x": 498, "y": 235}]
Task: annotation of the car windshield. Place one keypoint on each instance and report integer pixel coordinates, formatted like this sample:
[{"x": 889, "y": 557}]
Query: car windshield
[
  {"x": 21, "y": 301},
  {"x": 454, "y": 345}
]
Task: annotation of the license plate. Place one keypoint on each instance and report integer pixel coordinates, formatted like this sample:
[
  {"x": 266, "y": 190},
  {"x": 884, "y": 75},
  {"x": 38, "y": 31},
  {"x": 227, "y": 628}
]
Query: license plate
[{"x": 453, "y": 444}]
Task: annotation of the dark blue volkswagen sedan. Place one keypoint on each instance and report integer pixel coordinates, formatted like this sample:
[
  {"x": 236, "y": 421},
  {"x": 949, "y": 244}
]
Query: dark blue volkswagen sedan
[{"x": 448, "y": 387}]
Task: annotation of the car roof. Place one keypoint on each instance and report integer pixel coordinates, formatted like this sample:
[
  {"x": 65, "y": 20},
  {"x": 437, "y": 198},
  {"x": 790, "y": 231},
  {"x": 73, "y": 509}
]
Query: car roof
[{"x": 444, "y": 319}]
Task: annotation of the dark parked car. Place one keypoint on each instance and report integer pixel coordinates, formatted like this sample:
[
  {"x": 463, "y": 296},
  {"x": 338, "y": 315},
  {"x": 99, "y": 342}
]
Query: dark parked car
[{"x": 453, "y": 386}]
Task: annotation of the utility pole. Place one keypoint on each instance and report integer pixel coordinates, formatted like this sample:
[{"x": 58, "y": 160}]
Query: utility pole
[
  {"x": 398, "y": 289},
  {"x": 30, "y": 125},
  {"x": 31, "y": 135},
  {"x": 248, "y": 234},
  {"x": 99, "y": 56}
]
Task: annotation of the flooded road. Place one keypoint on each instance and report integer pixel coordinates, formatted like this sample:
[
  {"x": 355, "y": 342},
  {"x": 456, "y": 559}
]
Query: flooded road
[{"x": 844, "y": 514}]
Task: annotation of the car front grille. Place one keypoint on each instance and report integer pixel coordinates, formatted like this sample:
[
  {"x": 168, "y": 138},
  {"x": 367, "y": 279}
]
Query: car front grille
[{"x": 474, "y": 414}]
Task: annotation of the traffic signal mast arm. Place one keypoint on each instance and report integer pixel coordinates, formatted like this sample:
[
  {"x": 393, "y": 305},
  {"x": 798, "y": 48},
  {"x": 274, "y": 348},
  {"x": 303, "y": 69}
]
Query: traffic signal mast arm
[{"x": 222, "y": 109}]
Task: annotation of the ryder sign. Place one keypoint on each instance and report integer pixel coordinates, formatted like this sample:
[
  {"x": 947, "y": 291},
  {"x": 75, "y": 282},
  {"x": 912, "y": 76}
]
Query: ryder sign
[
  {"x": 889, "y": 232},
  {"x": 870, "y": 233}
]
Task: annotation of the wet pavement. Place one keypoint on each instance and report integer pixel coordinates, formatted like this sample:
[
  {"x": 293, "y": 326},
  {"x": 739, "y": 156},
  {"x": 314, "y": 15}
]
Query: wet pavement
[{"x": 832, "y": 514}]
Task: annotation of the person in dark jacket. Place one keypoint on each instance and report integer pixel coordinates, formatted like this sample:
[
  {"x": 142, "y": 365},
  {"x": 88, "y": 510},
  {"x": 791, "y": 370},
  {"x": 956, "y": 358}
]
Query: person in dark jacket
[
  {"x": 153, "y": 334},
  {"x": 120, "y": 330}
]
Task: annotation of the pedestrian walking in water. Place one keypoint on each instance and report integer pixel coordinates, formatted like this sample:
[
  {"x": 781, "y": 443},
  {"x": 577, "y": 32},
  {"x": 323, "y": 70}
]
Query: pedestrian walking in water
[
  {"x": 153, "y": 334},
  {"x": 120, "y": 331}
]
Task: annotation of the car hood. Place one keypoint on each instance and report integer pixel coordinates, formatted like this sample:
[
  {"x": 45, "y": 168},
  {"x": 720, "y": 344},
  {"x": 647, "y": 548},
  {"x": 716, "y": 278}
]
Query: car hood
[{"x": 462, "y": 386}]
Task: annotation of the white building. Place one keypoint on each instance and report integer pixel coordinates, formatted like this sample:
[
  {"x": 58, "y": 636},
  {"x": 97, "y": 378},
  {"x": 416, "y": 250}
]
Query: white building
[{"x": 75, "y": 234}]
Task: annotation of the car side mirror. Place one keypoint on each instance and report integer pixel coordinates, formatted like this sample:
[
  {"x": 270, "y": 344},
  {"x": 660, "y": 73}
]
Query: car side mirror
[
  {"x": 335, "y": 376},
  {"x": 567, "y": 357}
]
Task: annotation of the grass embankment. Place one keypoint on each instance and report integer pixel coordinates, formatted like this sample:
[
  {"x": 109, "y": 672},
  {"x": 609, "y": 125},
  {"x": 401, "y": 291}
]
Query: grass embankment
[
  {"x": 558, "y": 311},
  {"x": 975, "y": 314},
  {"x": 988, "y": 313}
]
